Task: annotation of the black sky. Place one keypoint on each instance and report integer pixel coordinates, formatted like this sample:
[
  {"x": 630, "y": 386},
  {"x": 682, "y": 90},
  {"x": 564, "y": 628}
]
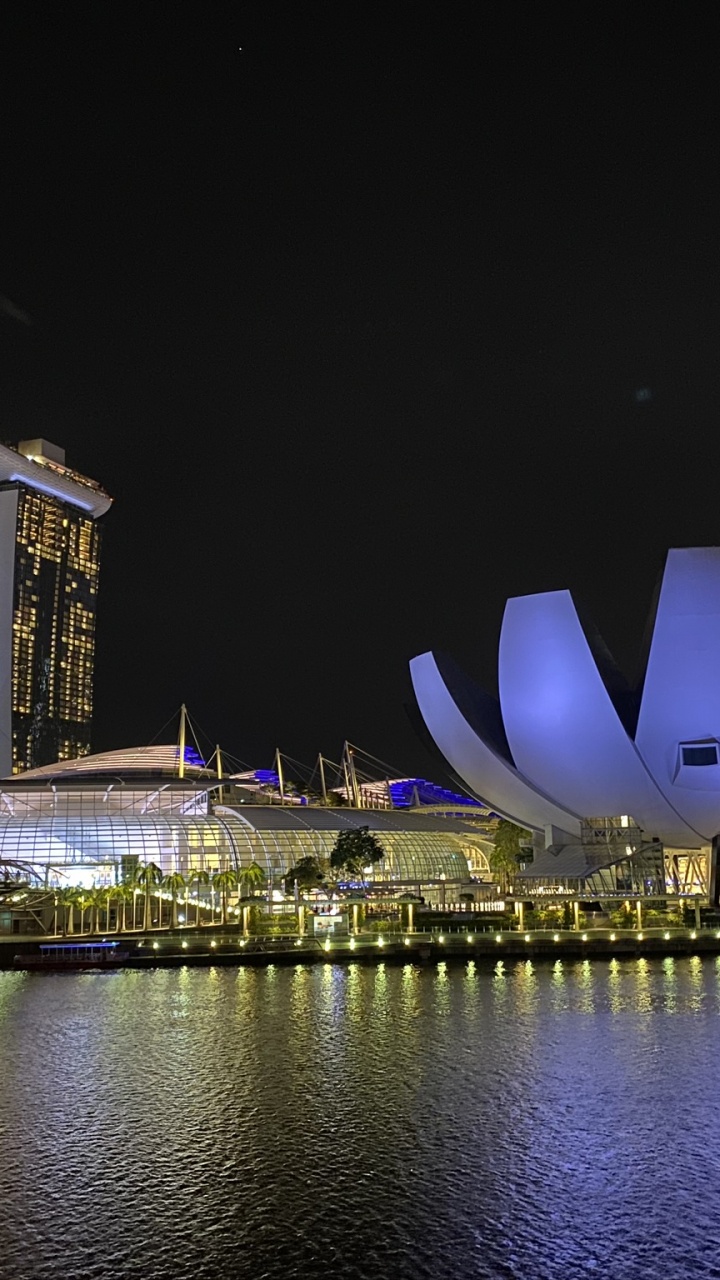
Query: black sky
[{"x": 365, "y": 326}]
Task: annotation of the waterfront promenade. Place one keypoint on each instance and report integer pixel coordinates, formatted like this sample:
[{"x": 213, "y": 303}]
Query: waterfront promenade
[{"x": 228, "y": 947}]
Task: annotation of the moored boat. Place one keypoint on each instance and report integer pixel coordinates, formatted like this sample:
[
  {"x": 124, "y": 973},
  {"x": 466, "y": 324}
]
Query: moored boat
[{"x": 72, "y": 956}]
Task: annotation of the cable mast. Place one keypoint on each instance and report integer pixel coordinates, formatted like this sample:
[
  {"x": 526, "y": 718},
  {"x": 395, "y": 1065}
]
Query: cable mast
[
  {"x": 349, "y": 765},
  {"x": 279, "y": 771},
  {"x": 321, "y": 766},
  {"x": 181, "y": 752}
]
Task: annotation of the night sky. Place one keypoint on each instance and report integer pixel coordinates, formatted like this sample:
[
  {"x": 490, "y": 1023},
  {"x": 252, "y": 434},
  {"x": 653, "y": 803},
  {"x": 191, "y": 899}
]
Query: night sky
[{"x": 365, "y": 325}]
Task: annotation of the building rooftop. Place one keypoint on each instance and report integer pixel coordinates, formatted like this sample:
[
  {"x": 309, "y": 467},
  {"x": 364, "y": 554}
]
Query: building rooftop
[
  {"x": 274, "y": 817},
  {"x": 36, "y": 464},
  {"x": 154, "y": 761}
]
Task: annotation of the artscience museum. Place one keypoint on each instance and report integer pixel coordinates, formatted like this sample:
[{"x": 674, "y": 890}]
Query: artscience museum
[{"x": 575, "y": 754}]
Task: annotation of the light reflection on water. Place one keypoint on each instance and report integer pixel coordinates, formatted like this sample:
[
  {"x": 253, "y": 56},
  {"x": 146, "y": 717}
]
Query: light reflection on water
[{"x": 509, "y": 1120}]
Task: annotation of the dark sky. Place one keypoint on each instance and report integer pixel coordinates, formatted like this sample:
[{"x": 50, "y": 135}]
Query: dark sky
[{"x": 365, "y": 326}]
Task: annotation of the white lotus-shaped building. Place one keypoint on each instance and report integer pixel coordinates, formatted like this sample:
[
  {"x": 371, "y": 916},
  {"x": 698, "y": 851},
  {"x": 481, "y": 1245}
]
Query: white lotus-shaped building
[{"x": 569, "y": 740}]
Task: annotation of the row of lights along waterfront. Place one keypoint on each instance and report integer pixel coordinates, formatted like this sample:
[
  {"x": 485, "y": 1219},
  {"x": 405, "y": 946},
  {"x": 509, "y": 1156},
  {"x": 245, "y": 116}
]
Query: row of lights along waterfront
[{"x": 353, "y": 943}]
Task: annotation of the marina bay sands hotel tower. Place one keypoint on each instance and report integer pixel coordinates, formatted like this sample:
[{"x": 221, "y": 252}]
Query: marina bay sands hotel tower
[{"x": 49, "y": 566}]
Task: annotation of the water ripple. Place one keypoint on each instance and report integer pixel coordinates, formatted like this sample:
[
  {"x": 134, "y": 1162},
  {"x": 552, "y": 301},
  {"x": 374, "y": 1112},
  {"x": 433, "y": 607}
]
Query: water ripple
[{"x": 502, "y": 1122}]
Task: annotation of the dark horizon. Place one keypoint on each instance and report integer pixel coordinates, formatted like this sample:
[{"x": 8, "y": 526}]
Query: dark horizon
[{"x": 365, "y": 329}]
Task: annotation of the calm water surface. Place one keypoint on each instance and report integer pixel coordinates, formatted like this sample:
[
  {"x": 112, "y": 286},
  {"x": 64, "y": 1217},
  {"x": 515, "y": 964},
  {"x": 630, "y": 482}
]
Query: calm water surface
[{"x": 522, "y": 1121}]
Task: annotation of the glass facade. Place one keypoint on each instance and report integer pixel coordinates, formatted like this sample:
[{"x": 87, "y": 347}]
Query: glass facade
[
  {"x": 98, "y": 834},
  {"x": 104, "y": 850},
  {"x": 57, "y": 561},
  {"x": 409, "y": 855}
]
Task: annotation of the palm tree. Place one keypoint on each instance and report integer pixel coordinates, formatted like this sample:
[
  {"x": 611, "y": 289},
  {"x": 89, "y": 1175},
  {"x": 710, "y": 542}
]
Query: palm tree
[
  {"x": 111, "y": 892},
  {"x": 224, "y": 880},
  {"x": 100, "y": 897},
  {"x": 66, "y": 899},
  {"x": 199, "y": 878},
  {"x": 124, "y": 893},
  {"x": 106, "y": 896},
  {"x": 252, "y": 878},
  {"x": 149, "y": 876},
  {"x": 83, "y": 899},
  {"x": 173, "y": 884},
  {"x": 127, "y": 891},
  {"x": 131, "y": 888},
  {"x": 96, "y": 900}
]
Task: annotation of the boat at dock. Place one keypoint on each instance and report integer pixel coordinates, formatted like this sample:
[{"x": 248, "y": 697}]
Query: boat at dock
[{"x": 59, "y": 957}]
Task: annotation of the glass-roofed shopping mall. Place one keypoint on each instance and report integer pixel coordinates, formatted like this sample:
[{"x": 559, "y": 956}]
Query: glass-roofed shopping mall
[{"x": 92, "y": 822}]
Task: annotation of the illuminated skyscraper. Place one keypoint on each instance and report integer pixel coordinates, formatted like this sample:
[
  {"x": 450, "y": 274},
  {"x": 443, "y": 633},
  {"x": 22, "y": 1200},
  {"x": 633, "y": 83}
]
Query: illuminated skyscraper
[{"x": 49, "y": 566}]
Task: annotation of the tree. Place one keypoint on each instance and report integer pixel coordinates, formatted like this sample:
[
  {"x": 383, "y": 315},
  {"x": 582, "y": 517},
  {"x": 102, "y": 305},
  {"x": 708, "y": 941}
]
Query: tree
[
  {"x": 199, "y": 878},
  {"x": 506, "y": 853},
  {"x": 96, "y": 899},
  {"x": 309, "y": 873},
  {"x": 174, "y": 883},
  {"x": 100, "y": 897},
  {"x": 355, "y": 850},
  {"x": 130, "y": 887},
  {"x": 251, "y": 878},
  {"x": 83, "y": 899},
  {"x": 224, "y": 881},
  {"x": 111, "y": 892},
  {"x": 150, "y": 877},
  {"x": 67, "y": 897},
  {"x": 123, "y": 893}
]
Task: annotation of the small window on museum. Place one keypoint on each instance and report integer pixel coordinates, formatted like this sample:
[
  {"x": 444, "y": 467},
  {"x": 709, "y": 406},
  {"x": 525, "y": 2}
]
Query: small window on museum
[{"x": 700, "y": 755}]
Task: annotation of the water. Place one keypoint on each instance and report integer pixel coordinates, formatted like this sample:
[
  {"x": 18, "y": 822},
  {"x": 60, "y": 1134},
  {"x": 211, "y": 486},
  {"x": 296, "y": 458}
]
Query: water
[{"x": 525, "y": 1121}]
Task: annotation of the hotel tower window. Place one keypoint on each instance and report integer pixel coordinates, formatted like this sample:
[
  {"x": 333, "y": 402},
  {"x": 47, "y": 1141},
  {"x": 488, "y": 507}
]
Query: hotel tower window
[{"x": 49, "y": 567}]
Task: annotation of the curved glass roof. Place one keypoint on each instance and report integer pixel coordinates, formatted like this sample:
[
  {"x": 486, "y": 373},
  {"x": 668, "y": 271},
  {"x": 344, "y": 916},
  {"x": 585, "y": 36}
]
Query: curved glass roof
[{"x": 103, "y": 849}]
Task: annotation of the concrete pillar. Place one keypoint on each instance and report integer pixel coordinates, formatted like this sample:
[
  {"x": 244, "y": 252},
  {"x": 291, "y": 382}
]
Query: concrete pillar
[
  {"x": 520, "y": 913},
  {"x": 698, "y": 921},
  {"x": 638, "y": 909},
  {"x": 713, "y": 878},
  {"x": 301, "y": 919},
  {"x": 411, "y": 908},
  {"x": 576, "y": 916}
]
